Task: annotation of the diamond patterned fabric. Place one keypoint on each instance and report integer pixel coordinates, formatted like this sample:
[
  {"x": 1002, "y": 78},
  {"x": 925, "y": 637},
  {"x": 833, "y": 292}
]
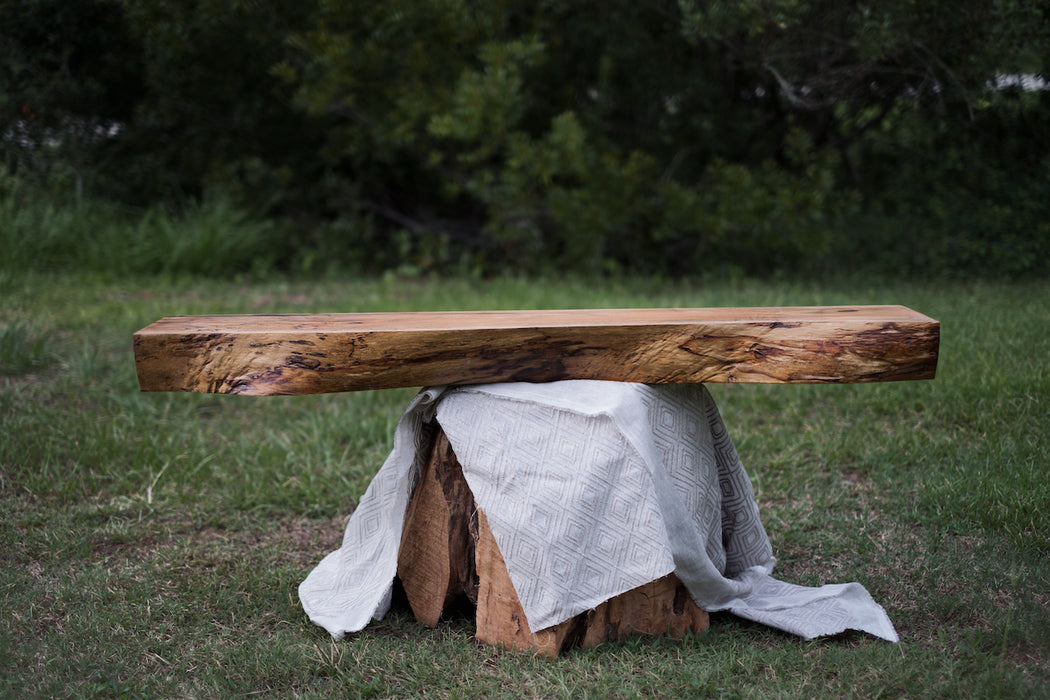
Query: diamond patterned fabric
[{"x": 591, "y": 489}]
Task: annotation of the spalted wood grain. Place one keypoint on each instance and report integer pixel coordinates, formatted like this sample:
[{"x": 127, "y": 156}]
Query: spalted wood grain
[{"x": 318, "y": 353}]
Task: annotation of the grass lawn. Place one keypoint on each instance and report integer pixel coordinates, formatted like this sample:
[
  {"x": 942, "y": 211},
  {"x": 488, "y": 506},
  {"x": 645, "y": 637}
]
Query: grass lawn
[{"x": 151, "y": 544}]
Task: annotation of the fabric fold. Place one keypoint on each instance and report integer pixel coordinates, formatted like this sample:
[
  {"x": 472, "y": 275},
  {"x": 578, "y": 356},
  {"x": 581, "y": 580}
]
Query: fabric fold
[
  {"x": 352, "y": 585},
  {"x": 591, "y": 489}
]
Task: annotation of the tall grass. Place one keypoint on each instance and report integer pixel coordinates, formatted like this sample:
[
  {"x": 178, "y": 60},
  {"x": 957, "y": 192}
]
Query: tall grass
[
  {"x": 212, "y": 236},
  {"x": 23, "y": 348}
]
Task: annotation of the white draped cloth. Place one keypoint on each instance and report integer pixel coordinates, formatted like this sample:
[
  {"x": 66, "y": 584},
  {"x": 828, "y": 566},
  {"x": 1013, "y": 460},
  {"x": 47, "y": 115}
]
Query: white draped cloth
[{"x": 591, "y": 489}]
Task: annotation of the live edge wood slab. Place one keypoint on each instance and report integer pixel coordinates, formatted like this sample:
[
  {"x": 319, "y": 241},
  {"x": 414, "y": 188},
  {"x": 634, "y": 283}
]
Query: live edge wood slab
[{"x": 318, "y": 353}]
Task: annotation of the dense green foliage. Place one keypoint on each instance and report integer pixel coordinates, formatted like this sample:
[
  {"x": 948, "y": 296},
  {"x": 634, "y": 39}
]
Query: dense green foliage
[{"x": 664, "y": 136}]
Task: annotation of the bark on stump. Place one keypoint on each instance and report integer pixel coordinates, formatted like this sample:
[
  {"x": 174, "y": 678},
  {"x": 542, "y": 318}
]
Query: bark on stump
[{"x": 448, "y": 553}]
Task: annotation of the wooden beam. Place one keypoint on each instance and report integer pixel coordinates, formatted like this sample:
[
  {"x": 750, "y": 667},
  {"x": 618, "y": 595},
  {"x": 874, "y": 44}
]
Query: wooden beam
[{"x": 319, "y": 353}]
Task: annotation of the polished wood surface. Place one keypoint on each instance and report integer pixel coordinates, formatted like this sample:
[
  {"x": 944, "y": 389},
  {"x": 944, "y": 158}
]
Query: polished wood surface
[{"x": 319, "y": 353}]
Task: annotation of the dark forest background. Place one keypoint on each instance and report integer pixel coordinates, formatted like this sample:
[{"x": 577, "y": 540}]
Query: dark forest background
[{"x": 656, "y": 136}]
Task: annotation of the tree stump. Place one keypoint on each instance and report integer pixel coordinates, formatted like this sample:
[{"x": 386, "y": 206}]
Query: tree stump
[
  {"x": 436, "y": 558},
  {"x": 448, "y": 553}
]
